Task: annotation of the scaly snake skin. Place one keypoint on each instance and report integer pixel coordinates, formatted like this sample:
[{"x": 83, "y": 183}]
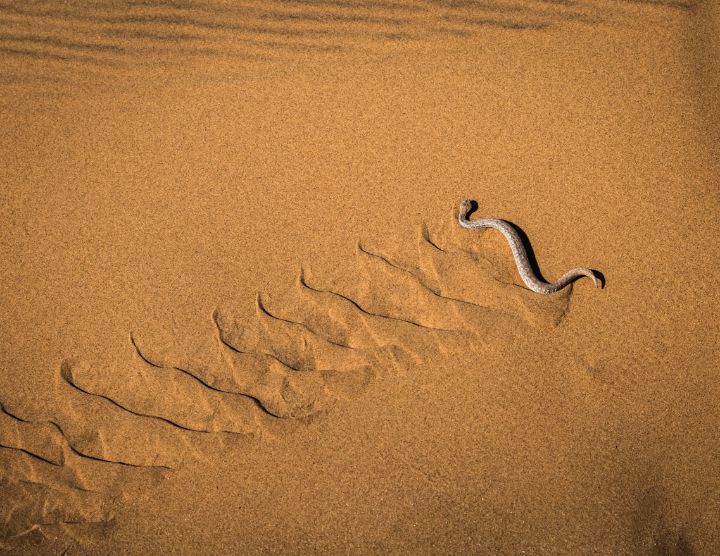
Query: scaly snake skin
[{"x": 520, "y": 254}]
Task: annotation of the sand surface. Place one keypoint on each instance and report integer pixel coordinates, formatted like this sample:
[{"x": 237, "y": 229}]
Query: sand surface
[{"x": 238, "y": 315}]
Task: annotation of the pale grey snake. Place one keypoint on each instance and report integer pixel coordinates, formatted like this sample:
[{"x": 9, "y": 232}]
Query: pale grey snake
[{"x": 520, "y": 253}]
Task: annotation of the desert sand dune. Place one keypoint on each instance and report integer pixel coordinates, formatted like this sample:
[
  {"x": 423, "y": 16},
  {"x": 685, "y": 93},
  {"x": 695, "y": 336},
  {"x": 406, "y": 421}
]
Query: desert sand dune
[{"x": 240, "y": 315}]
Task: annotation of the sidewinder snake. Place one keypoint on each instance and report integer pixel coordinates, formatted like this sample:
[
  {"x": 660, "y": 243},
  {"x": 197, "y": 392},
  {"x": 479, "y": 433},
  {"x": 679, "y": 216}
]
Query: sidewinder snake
[{"x": 520, "y": 253}]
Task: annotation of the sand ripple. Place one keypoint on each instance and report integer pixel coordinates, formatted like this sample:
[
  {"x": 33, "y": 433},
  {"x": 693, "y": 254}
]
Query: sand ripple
[{"x": 63, "y": 46}]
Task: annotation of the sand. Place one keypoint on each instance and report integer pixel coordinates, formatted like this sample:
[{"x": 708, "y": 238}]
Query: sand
[{"x": 238, "y": 315}]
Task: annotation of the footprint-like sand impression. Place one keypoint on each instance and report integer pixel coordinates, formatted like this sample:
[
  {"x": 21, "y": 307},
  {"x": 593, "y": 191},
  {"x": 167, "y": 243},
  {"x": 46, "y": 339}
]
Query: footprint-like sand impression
[
  {"x": 305, "y": 351},
  {"x": 52, "y": 492}
]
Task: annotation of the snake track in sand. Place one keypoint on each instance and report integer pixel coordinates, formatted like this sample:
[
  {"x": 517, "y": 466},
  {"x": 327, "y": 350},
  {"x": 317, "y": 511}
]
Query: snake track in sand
[{"x": 520, "y": 253}]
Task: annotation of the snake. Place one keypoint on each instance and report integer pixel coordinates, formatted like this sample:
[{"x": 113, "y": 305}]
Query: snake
[{"x": 519, "y": 251}]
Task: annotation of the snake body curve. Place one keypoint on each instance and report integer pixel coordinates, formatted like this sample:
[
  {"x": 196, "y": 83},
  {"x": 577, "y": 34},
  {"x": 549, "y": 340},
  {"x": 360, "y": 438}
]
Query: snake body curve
[{"x": 520, "y": 253}]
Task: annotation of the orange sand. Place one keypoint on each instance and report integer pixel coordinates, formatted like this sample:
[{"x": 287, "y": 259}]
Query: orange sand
[{"x": 165, "y": 163}]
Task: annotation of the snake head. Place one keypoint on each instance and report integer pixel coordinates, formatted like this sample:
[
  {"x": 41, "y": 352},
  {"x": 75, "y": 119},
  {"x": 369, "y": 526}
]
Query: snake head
[{"x": 466, "y": 207}]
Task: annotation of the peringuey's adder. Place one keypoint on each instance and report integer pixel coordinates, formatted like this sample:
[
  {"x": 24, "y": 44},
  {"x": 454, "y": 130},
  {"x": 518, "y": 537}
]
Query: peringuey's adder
[{"x": 520, "y": 253}]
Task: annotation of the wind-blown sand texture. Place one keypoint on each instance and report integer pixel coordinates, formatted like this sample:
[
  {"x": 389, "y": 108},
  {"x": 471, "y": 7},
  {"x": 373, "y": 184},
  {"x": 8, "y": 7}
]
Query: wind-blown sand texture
[{"x": 239, "y": 314}]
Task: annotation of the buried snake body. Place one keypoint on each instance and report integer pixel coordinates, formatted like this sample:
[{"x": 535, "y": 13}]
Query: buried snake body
[{"x": 520, "y": 253}]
